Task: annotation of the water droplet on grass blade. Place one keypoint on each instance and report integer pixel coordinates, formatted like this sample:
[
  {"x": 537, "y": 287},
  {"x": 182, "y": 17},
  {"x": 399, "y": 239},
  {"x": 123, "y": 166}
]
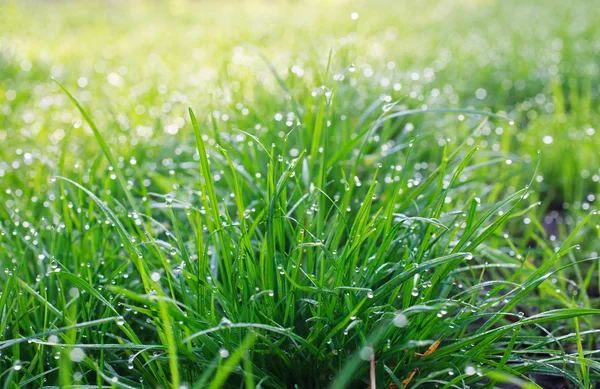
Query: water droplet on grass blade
[
  {"x": 225, "y": 322},
  {"x": 366, "y": 353},
  {"x": 400, "y": 320},
  {"x": 77, "y": 355}
]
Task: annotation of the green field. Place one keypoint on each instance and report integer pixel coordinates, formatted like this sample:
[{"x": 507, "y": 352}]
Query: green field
[{"x": 299, "y": 194}]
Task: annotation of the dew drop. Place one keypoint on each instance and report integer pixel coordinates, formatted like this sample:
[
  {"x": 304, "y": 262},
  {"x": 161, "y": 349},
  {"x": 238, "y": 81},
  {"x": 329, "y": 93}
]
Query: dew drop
[
  {"x": 400, "y": 320},
  {"x": 366, "y": 353},
  {"x": 77, "y": 355}
]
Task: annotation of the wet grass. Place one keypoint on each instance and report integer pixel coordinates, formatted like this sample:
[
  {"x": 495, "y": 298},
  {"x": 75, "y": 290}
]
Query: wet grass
[{"x": 350, "y": 197}]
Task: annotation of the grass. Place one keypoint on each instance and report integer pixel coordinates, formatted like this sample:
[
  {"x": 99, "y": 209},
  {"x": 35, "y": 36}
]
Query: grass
[{"x": 323, "y": 200}]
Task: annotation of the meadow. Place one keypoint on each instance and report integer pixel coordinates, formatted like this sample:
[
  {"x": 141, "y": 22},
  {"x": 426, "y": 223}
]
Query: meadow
[{"x": 299, "y": 194}]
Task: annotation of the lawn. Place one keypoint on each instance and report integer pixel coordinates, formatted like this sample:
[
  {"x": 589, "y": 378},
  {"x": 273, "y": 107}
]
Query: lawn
[{"x": 299, "y": 194}]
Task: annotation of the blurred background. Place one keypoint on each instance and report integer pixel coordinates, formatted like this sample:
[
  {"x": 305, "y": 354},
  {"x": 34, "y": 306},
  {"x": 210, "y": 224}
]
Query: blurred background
[{"x": 140, "y": 64}]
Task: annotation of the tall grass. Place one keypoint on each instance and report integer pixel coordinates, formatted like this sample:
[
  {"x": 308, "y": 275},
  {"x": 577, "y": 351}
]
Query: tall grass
[{"x": 293, "y": 231}]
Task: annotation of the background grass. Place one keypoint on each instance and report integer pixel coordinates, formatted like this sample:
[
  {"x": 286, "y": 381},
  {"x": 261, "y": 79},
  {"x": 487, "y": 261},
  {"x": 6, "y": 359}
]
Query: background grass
[{"x": 361, "y": 193}]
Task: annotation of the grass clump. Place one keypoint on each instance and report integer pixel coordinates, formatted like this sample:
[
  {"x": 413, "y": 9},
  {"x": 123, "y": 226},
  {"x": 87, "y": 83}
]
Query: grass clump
[{"x": 297, "y": 228}]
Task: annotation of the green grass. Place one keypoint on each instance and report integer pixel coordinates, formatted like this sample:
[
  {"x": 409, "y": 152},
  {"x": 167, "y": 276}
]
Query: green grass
[{"x": 276, "y": 195}]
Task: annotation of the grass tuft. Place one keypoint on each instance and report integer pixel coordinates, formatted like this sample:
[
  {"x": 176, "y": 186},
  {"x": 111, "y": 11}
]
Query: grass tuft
[{"x": 179, "y": 210}]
